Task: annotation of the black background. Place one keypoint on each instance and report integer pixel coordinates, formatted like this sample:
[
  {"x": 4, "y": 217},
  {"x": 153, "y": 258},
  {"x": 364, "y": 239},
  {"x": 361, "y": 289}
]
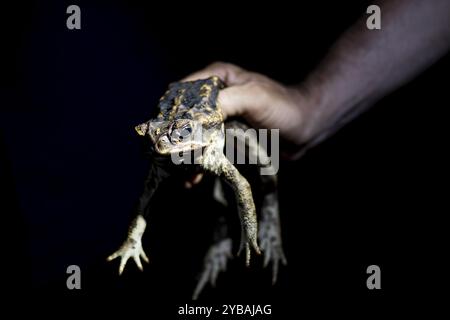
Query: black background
[{"x": 72, "y": 167}]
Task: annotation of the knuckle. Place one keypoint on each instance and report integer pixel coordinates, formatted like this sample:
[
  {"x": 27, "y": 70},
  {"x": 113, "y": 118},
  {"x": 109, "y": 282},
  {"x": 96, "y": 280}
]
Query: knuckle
[
  {"x": 255, "y": 88},
  {"x": 219, "y": 64}
]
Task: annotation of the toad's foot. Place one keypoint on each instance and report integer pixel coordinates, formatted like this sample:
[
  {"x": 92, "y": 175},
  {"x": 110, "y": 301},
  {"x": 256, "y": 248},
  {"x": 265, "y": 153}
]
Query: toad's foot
[
  {"x": 217, "y": 163},
  {"x": 271, "y": 246},
  {"x": 215, "y": 261},
  {"x": 247, "y": 244},
  {"x": 132, "y": 247}
]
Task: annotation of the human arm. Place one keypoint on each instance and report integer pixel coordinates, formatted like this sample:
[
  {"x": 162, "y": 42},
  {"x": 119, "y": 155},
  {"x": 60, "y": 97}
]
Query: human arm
[{"x": 360, "y": 68}]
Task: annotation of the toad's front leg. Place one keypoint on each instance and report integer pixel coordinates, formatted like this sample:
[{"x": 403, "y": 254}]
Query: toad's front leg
[
  {"x": 132, "y": 246},
  {"x": 216, "y": 162}
]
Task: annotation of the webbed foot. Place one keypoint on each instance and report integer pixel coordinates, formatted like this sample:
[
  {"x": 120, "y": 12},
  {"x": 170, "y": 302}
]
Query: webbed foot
[
  {"x": 271, "y": 246},
  {"x": 215, "y": 261}
]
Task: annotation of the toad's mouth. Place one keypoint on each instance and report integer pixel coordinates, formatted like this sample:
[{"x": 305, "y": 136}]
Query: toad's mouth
[{"x": 167, "y": 147}]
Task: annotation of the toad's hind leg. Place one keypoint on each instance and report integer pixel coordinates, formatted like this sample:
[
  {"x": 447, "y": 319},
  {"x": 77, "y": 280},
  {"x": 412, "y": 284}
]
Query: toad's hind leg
[
  {"x": 216, "y": 163},
  {"x": 216, "y": 258},
  {"x": 269, "y": 234}
]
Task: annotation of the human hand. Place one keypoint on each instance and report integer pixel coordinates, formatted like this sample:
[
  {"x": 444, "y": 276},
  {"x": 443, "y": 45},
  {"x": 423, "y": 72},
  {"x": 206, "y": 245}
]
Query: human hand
[{"x": 262, "y": 101}]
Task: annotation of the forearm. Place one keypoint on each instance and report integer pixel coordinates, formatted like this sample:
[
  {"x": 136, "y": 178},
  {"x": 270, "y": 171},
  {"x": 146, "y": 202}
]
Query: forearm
[{"x": 364, "y": 65}]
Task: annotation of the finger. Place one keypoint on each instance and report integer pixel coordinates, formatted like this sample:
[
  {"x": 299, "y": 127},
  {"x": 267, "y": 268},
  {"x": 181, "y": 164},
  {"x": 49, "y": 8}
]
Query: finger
[
  {"x": 267, "y": 254},
  {"x": 275, "y": 271},
  {"x": 144, "y": 256},
  {"x": 240, "y": 96},
  {"x": 228, "y": 248},
  {"x": 255, "y": 246},
  {"x": 247, "y": 255},
  {"x": 239, "y": 100},
  {"x": 138, "y": 262},
  {"x": 230, "y": 74},
  {"x": 222, "y": 262},
  {"x": 113, "y": 256},
  {"x": 229, "y": 102},
  {"x": 201, "y": 283},
  {"x": 225, "y": 263},
  {"x": 263, "y": 243},
  {"x": 123, "y": 262},
  {"x": 214, "y": 274},
  {"x": 244, "y": 244}
]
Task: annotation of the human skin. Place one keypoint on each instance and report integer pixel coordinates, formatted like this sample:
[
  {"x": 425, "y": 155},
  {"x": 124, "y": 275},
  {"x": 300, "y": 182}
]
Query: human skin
[{"x": 361, "y": 67}]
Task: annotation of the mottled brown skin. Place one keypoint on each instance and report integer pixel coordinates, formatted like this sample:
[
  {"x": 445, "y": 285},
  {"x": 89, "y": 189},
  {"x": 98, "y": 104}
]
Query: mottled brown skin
[{"x": 186, "y": 110}]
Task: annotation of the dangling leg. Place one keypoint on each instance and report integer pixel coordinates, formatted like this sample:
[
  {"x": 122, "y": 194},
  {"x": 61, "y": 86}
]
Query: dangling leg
[
  {"x": 269, "y": 234},
  {"x": 216, "y": 258},
  {"x": 132, "y": 246},
  {"x": 216, "y": 163}
]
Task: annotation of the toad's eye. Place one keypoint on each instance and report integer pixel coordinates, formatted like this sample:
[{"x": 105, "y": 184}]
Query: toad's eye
[
  {"x": 186, "y": 130},
  {"x": 181, "y": 134}
]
